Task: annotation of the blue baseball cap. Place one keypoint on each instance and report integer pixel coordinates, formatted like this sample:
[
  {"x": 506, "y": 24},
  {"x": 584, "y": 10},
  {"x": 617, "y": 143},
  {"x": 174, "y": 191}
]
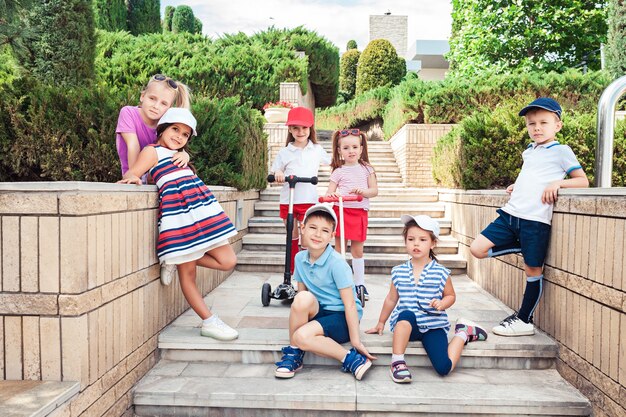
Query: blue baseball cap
[{"x": 545, "y": 103}]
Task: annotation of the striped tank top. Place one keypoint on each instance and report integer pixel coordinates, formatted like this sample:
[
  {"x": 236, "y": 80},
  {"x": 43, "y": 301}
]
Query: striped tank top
[
  {"x": 191, "y": 219},
  {"x": 415, "y": 295}
]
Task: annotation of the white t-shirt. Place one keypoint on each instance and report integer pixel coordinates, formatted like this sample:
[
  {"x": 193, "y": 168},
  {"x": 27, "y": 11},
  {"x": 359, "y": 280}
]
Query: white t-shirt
[
  {"x": 543, "y": 164},
  {"x": 301, "y": 162},
  {"x": 348, "y": 178}
]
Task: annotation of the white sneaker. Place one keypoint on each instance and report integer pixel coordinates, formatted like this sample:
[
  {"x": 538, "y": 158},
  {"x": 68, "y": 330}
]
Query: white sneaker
[
  {"x": 168, "y": 272},
  {"x": 514, "y": 326},
  {"x": 219, "y": 330}
]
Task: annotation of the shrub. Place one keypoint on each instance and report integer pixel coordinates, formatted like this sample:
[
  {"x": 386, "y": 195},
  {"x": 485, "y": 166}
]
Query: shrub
[
  {"x": 484, "y": 150},
  {"x": 231, "y": 148},
  {"x": 144, "y": 16},
  {"x": 197, "y": 25},
  {"x": 110, "y": 15},
  {"x": 347, "y": 73},
  {"x": 243, "y": 68},
  {"x": 183, "y": 20},
  {"x": 379, "y": 65},
  {"x": 167, "y": 18},
  {"x": 351, "y": 45},
  {"x": 61, "y": 41},
  {"x": 363, "y": 109}
]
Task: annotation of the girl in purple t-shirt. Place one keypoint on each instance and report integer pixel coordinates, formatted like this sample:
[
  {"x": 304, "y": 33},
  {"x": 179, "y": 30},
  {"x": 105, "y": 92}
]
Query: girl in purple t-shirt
[{"x": 136, "y": 125}]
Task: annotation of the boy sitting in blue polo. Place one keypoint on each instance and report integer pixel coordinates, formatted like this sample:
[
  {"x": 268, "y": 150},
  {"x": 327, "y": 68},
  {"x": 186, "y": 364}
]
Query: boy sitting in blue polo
[
  {"x": 524, "y": 222},
  {"x": 325, "y": 312}
]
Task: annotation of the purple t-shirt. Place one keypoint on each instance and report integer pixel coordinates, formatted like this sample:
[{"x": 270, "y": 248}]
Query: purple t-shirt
[{"x": 129, "y": 121}]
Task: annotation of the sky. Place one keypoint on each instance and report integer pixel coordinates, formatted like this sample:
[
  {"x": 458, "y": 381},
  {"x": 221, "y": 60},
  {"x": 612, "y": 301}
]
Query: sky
[{"x": 337, "y": 21}]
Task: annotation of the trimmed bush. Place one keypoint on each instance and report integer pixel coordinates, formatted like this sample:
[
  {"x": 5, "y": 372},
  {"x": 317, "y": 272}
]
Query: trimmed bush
[
  {"x": 379, "y": 65},
  {"x": 365, "y": 108},
  {"x": 167, "y": 18},
  {"x": 144, "y": 16},
  {"x": 197, "y": 25},
  {"x": 183, "y": 20},
  {"x": 347, "y": 73},
  {"x": 110, "y": 15},
  {"x": 351, "y": 45},
  {"x": 484, "y": 150},
  {"x": 231, "y": 148},
  {"x": 61, "y": 42}
]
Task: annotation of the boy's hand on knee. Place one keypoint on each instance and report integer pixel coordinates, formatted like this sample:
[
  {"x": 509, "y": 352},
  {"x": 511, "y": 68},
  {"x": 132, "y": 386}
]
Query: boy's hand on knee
[{"x": 376, "y": 329}]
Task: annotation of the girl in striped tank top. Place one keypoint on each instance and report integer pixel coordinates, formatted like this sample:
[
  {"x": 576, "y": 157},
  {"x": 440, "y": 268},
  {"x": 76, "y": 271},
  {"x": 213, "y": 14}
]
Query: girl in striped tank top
[
  {"x": 353, "y": 174},
  {"x": 419, "y": 294},
  {"x": 193, "y": 228}
]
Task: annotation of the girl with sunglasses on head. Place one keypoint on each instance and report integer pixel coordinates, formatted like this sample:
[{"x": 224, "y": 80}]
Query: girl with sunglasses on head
[
  {"x": 193, "y": 228},
  {"x": 136, "y": 125},
  {"x": 353, "y": 174},
  {"x": 420, "y": 292},
  {"x": 301, "y": 156}
]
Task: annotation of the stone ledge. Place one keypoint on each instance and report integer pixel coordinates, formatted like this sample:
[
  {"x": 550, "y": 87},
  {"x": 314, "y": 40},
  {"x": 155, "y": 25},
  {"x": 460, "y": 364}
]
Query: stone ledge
[
  {"x": 29, "y": 304},
  {"x": 34, "y": 398}
]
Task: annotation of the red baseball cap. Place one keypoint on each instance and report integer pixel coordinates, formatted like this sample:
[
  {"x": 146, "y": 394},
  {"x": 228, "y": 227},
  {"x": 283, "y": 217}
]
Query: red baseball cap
[{"x": 300, "y": 116}]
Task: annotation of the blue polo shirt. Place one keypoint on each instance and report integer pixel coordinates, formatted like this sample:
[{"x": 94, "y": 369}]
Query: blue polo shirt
[{"x": 325, "y": 277}]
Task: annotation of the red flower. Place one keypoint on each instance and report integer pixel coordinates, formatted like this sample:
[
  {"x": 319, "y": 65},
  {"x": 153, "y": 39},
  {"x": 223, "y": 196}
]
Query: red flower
[{"x": 282, "y": 104}]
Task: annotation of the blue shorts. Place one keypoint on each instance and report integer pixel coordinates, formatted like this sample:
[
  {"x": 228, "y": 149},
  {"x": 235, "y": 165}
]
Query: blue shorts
[
  {"x": 334, "y": 324},
  {"x": 511, "y": 234}
]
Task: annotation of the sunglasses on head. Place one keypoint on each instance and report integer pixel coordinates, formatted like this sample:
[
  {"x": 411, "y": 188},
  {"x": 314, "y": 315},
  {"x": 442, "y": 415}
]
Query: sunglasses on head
[
  {"x": 170, "y": 82},
  {"x": 348, "y": 132}
]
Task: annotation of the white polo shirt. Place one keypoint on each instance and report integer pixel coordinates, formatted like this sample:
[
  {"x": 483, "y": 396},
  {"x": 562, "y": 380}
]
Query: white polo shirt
[
  {"x": 543, "y": 164},
  {"x": 301, "y": 162}
]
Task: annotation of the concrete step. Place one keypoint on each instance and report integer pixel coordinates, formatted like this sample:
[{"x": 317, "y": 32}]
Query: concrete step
[
  {"x": 377, "y": 209},
  {"x": 376, "y": 225},
  {"x": 264, "y": 330},
  {"x": 34, "y": 398},
  {"x": 373, "y": 244},
  {"x": 200, "y": 389},
  {"x": 375, "y": 263},
  {"x": 390, "y": 193}
]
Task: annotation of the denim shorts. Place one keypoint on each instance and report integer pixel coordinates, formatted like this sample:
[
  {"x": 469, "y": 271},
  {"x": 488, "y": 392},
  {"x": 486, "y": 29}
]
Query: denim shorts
[
  {"x": 511, "y": 234},
  {"x": 334, "y": 324}
]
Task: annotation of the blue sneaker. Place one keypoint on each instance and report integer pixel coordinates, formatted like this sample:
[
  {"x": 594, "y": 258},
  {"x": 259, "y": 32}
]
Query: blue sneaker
[
  {"x": 290, "y": 363},
  {"x": 356, "y": 363}
]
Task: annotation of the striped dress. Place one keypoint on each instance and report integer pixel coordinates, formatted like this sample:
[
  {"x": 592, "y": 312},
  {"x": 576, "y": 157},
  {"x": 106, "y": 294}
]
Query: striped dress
[
  {"x": 430, "y": 285},
  {"x": 191, "y": 220}
]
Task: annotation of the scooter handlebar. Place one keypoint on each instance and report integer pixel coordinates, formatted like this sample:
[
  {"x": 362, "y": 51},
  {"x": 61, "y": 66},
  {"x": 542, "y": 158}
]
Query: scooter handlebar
[
  {"x": 329, "y": 199},
  {"x": 293, "y": 180}
]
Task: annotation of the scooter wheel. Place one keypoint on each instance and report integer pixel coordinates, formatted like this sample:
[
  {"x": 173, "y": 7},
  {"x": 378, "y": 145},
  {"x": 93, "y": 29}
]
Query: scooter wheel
[{"x": 266, "y": 290}]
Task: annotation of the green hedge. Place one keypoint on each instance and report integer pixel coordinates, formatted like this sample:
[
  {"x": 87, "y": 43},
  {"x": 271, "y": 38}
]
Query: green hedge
[
  {"x": 365, "y": 108},
  {"x": 48, "y": 133},
  {"x": 379, "y": 65},
  {"x": 484, "y": 150}
]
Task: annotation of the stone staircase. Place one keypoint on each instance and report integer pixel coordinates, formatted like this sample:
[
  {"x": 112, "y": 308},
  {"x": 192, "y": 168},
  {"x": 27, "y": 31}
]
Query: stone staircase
[{"x": 199, "y": 376}]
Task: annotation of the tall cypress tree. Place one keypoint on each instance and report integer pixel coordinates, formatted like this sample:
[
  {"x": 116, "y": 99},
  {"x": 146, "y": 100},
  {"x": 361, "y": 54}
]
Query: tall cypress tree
[
  {"x": 167, "y": 19},
  {"x": 183, "y": 20},
  {"x": 616, "y": 42},
  {"x": 60, "y": 47},
  {"x": 144, "y": 16},
  {"x": 110, "y": 14}
]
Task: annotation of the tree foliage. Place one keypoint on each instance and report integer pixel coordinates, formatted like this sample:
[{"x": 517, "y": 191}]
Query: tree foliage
[
  {"x": 351, "y": 45},
  {"x": 347, "y": 73},
  {"x": 144, "y": 16},
  {"x": 500, "y": 35},
  {"x": 60, "y": 46},
  {"x": 616, "y": 43},
  {"x": 197, "y": 25},
  {"x": 379, "y": 65},
  {"x": 110, "y": 15},
  {"x": 183, "y": 20},
  {"x": 167, "y": 19}
]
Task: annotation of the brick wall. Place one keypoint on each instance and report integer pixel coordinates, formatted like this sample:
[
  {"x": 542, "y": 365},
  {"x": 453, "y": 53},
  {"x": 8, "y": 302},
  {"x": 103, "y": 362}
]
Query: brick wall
[
  {"x": 584, "y": 302},
  {"x": 413, "y": 148},
  {"x": 80, "y": 295}
]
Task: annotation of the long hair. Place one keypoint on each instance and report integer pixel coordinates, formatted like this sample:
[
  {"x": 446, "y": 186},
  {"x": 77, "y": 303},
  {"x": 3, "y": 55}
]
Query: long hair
[
  {"x": 312, "y": 136},
  {"x": 182, "y": 96},
  {"x": 337, "y": 162},
  {"x": 413, "y": 223},
  {"x": 162, "y": 128}
]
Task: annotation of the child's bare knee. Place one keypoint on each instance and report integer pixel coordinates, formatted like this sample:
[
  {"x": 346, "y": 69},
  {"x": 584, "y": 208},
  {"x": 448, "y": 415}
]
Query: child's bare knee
[{"x": 303, "y": 301}]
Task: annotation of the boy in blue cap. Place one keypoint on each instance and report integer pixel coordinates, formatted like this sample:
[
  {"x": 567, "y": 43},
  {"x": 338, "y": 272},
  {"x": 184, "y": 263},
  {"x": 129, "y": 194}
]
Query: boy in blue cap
[
  {"x": 325, "y": 313},
  {"x": 524, "y": 221}
]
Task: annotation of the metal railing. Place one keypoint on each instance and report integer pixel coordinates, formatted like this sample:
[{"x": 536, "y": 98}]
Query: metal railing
[{"x": 606, "y": 131}]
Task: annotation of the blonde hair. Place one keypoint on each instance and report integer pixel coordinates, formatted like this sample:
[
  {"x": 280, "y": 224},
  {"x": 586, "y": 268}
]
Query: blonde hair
[
  {"x": 182, "y": 96},
  {"x": 337, "y": 162}
]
